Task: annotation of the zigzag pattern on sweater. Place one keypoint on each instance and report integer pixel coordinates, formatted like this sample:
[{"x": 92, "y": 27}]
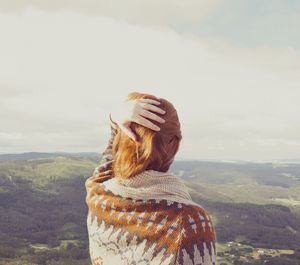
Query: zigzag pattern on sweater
[{"x": 149, "y": 230}]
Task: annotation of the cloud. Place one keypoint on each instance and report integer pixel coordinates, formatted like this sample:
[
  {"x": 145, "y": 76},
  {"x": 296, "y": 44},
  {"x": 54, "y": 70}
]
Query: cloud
[
  {"x": 62, "y": 72},
  {"x": 253, "y": 23},
  {"x": 249, "y": 23},
  {"x": 166, "y": 13}
]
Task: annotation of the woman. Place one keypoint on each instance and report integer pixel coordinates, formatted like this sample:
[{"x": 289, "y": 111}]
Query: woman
[{"x": 139, "y": 212}]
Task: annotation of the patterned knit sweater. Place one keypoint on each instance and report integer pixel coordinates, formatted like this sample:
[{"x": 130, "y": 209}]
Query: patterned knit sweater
[{"x": 149, "y": 219}]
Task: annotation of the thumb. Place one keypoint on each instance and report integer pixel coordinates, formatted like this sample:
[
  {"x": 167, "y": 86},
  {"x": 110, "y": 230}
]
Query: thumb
[{"x": 127, "y": 130}]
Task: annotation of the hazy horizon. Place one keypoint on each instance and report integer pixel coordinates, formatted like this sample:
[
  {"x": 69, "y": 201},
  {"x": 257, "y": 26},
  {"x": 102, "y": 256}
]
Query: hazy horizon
[{"x": 177, "y": 158}]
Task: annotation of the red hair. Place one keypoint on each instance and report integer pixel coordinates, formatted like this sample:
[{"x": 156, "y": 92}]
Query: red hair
[{"x": 154, "y": 149}]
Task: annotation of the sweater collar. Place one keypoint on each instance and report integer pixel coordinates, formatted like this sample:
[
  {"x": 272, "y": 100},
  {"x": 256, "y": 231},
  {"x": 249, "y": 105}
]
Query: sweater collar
[
  {"x": 150, "y": 184},
  {"x": 147, "y": 178}
]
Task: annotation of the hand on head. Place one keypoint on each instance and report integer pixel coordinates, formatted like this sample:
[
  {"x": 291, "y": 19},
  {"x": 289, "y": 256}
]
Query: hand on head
[{"x": 141, "y": 111}]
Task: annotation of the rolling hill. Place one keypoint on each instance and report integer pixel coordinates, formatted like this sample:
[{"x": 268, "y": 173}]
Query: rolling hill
[{"x": 43, "y": 213}]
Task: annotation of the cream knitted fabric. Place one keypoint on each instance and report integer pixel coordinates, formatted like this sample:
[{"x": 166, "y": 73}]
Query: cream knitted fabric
[{"x": 151, "y": 184}]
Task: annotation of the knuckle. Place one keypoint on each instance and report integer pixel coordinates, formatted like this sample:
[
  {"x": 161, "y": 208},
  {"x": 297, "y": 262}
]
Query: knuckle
[{"x": 153, "y": 116}]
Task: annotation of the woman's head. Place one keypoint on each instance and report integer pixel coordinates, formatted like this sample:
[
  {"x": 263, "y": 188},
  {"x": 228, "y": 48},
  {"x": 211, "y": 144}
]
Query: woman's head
[{"x": 153, "y": 149}]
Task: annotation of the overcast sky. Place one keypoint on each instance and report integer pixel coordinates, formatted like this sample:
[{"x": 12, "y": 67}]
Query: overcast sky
[{"x": 231, "y": 68}]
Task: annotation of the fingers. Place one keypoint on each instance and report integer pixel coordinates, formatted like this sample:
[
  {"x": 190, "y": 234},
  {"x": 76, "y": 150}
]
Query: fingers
[
  {"x": 150, "y": 115},
  {"x": 104, "y": 166},
  {"x": 105, "y": 173},
  {"x": 153, "y": 108},
  {"x": 150, "y": 101},
  {"x": 128, "y": 132},
  {"x": 143, "y": 121}
]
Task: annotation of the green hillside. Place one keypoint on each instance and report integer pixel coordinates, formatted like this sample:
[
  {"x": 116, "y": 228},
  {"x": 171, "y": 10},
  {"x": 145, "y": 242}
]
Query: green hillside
[{"x": 255, "y": 208}]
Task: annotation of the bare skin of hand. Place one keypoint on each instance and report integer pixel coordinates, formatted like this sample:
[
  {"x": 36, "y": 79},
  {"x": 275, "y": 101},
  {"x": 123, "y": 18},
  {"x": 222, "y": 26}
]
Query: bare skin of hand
[{"x": 140, "y": 111}]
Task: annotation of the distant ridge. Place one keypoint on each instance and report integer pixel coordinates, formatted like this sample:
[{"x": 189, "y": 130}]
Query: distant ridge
[
  {"x": 34, "y": 155},
  {"x": 275, "y": 161}
]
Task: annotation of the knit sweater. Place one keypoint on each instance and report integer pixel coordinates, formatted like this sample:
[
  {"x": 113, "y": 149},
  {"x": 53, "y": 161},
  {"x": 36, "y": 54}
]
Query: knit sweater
[{"x": 149, "y": 219}]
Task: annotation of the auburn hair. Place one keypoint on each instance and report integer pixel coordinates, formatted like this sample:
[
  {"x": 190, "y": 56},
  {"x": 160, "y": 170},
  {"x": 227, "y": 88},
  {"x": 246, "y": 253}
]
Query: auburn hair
[{"x": 153, "y": 149}]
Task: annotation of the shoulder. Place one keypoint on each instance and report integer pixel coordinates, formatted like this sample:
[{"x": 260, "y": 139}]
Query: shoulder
[
  {"x": 97, "y": 178},
  {"x": 196, "y": 220},
  {"x": 198, "y": 238}
]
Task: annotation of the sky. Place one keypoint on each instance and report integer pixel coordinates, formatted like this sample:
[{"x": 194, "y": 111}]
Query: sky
[{"x": 230, "y": 67}]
